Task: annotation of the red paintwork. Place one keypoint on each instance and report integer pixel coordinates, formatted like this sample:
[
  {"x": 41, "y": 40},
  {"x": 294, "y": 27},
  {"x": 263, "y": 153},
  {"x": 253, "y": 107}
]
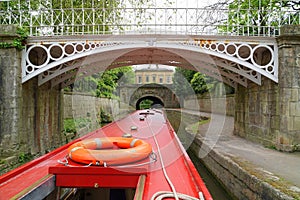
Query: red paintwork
[{"x": 179, "y": 167}]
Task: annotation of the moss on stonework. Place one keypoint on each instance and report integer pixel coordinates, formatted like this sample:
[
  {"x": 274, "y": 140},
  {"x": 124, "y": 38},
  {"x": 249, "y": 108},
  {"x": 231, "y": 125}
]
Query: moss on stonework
[
  {"x": 11, "y": 38},
  {"x": 272, "y": 179}
]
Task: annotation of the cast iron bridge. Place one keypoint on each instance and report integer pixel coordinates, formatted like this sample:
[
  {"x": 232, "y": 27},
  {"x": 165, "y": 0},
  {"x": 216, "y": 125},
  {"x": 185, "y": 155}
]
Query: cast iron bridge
[{"x": 69, "y": 41}]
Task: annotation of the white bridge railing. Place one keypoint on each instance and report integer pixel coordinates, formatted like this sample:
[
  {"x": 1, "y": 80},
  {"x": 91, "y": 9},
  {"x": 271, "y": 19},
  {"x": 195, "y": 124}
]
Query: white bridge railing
[{"x": 58, "y": 17}]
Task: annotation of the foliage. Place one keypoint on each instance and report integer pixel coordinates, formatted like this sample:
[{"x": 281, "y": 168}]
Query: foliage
[
  {"x": 108, "y": 83},
  {"x": 105, "y": 117},
  {"x": 24, "y": 157},
  {"x": 145, "y": 104},
  {"x": 104, "y": 84},
  {"x": 188, "y": 74},
  {"x": 71, "y": 125},
  {"x": 247, "y": 16},
  {"x": 181, "y": 81},
  {"x": 199, "y": 84},
  {"x": 77, "y": 16},
  {"x": 187, "y": 82},
  {"x": 18, "y": 42}
]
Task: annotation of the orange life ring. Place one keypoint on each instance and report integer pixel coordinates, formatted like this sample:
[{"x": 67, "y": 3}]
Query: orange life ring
[{"x": 98, "y": 151}]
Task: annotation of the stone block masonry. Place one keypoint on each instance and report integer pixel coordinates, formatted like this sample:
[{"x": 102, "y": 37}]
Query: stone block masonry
[
  {"x": 10, "y": 94},
  {"x": 240, "y": 183},
  {"x": 85, "y": 106},
  {"x": 30, "y": 116},
  {"x": 270, "y": 114},
  {"x": 288, "y": 136},
  {"x": 220, "y": 105}
]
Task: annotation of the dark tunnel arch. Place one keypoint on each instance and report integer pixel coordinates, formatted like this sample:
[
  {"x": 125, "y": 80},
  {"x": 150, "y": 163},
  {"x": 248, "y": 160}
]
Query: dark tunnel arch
[{"x": 157, "y": 102}]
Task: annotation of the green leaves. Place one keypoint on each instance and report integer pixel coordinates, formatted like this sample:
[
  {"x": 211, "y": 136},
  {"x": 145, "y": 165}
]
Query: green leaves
[
  {"x": 18, "y": 42},
  {"x": 258, "y": 17},
  {"x": 188, "y": 82},
  {"x": 199, "y": 83},
  {"x": 104, "y": 84}
]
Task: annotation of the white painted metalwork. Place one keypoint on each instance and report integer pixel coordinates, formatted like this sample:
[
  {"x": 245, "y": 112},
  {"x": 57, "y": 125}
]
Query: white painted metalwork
[
  {"x": 59, "y": 17},
  {"x": 231, "y": 59},
  {"x": 70, "y": 38}
]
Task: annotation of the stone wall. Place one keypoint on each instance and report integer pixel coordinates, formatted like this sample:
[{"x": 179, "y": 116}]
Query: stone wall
[
  {"x": 42, "y": 120},
  {"x": 270, "y": 114},
  {"x": 257, "y": 112},
  {"x": 220, "y": 105},
  {"x": 10, "y": 94},
  {"x": 30, "y": 116},
  {"x": 83, "y": 105},
  {"x": 288, "y": 136},
  {"x": 240, "y": 183}
]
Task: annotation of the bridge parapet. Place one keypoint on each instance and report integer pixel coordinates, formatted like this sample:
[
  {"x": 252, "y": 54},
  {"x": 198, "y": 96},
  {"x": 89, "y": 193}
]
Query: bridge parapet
[{"x": 126, "y": 17}]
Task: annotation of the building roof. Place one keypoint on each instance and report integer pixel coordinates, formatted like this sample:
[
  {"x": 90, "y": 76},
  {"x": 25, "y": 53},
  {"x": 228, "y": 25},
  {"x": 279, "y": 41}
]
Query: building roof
[{"x": 153, "y": 67}]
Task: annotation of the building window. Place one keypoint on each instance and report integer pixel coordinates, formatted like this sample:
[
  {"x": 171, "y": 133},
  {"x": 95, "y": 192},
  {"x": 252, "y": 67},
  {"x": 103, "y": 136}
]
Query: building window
[
  {"x": 161, "y": 79},
  {"x": 168, "y": 79},
  {"x": 154, "y": 78},
  {"x": 147, "y": 79},
  {"x": 139, "y": 79}
]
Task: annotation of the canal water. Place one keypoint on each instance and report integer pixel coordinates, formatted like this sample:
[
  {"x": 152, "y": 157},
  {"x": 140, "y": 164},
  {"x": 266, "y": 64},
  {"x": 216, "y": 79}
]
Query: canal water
[{"x": 179, "y": 122}]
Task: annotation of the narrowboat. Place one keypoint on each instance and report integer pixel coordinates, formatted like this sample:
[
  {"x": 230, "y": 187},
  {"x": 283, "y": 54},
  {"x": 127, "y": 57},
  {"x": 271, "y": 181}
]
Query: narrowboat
[{"x": 137, "y": 157}]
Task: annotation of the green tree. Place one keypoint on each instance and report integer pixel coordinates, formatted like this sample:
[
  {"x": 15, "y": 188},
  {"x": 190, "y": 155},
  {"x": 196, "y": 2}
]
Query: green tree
[
  {"x": 181, "y": 82},
  {"x": 188, "y": 74},
  {"x": 103, "y": 84},
  {"x": 188, "y": 82},
  {"x": 107, "y": 84},
  {"x": 256, "y": 17},
  {"x": 56, "y": 17},
  {"x": 110, "y": 79},
  {"x": 199, "y": 84}
]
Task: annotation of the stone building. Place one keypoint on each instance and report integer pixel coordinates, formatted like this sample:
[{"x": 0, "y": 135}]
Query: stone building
[{"x": 160, "y": 74}]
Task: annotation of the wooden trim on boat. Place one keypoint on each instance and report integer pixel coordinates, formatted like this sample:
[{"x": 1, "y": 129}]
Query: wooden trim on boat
[{"x": 140, "y": 188}]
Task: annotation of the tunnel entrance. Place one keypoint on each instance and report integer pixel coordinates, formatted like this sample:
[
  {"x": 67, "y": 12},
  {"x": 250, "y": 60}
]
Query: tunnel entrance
[{"x": 149, "y": 102}]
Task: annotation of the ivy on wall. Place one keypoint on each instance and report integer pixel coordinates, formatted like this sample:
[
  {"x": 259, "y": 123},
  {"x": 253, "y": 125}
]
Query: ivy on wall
[{"x": 18, "y": 42}]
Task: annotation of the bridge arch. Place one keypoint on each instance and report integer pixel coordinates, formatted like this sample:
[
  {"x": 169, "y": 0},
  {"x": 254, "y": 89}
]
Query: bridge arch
[
  {"x": 158, "y": 93},
  {"x": 234, "y": 61},
  {"x": 157, "y": 101}
]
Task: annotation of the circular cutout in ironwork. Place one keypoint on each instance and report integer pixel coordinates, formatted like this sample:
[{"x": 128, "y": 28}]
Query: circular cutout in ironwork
[
  {"x": 38, "y": 56},
  {"x": 270, "y": 69},
  {"x": 244, "y": 52},
  {"x": 29, "y": 69},
  {"x": 213, "y": 47},
  {"x": 69, "y": 49},
  {"x": 231, "y": 49},
  {"x": 87, "y": 46},
  {"x": 220, "y": 48},
  {"x": 79, "y": 48},
  {"x": 46, "y": 73},
  {"x": 262, "y": 56},
  {"x": 56, "y": 51}
]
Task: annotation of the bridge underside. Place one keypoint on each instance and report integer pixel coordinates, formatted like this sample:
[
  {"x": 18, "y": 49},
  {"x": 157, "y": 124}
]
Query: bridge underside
[{"x": 233, "y": 61}]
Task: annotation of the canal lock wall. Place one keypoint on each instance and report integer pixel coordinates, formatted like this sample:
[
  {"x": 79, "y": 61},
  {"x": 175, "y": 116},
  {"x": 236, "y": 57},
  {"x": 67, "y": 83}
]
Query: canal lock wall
[
  {"x": 236, "y": 180},
  {"x": 234, "y": 177}
]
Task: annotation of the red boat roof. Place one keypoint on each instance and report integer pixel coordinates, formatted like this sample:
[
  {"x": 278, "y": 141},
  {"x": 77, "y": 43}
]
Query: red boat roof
[{"x": 171, "y": 169}]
